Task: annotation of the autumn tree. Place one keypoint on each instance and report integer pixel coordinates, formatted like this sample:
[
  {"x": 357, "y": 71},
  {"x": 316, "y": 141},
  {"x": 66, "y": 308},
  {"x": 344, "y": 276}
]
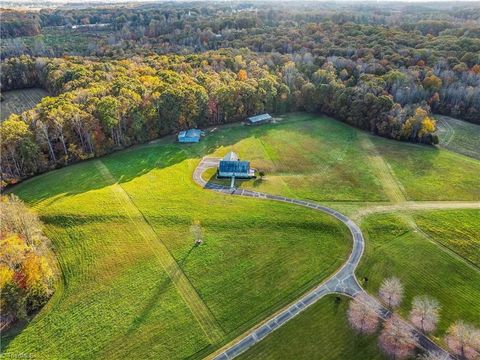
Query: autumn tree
[
  {"x": 425, "y": 313},
  {"x": 391, "y": 292},
  {"x": 419, "y": 127},
  {"x": 463, "y": 340},
  {"x": 397, "y": 339},
  {"x": 26, "y": 274},
  {"x": 242, "y": 75},
  {"x": 363, "y": 314},
  {"x": 432, "y": 82}
]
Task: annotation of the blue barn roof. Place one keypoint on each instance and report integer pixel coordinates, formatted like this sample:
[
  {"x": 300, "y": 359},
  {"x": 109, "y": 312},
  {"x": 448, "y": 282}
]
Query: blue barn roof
[
  {"x": 240, "y": 167},
  {"x": 192, "y": 135}
]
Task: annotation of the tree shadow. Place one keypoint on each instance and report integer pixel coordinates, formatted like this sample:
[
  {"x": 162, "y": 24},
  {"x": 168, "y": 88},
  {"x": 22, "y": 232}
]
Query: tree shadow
[
  {"x": 128, "y": 164},
  {"x": 150, "y": 305}
]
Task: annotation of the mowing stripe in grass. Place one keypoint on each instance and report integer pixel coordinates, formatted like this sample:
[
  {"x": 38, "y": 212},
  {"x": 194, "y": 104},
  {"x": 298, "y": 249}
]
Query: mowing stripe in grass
[
  {"x": 196, "y": 305},
  {"x": 389, "y": 183},
  {"x": 394, "y": 193},
  {"x": 408, "y": 219}
]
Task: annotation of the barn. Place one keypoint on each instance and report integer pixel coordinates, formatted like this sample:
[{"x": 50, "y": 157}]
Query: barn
[
  {"x": 232, "y": 167},
  {"x": 259, "y": 119},
  {"x": 189, "y": 136}
]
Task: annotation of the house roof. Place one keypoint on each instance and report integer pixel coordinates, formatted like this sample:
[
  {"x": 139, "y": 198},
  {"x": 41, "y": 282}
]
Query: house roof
[
  {"x": 231, "y": 156},
  {"x": 191, "y": 133},
  {"x": 239, "y": 167},
  {"x": 258, "y": 118}
]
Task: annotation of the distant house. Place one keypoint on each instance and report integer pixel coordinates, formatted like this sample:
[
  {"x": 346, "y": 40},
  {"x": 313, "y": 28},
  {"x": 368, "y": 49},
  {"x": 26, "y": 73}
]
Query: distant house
[
  {"x": 189, "y": 136},
  {"x": 231, "y": 166},
  {"x": 259, "y": 119}
]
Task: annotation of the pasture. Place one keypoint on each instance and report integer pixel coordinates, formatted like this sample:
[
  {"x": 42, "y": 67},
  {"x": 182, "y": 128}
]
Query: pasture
[
  {"x": 320, "y": 332},
  {"x": 459, "y": 136},
  {"x": 393, "y": 248},
  {"x": 18, "y": 101},
  {"x": 321, "y": 159},
  {"x": 135, "y": 285}
]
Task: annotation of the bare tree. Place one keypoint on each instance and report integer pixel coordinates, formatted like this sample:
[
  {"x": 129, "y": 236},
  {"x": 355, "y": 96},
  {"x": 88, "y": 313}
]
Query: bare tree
[
  {"x": 196, "y": 230},
  {"x": 425, "y": 313},
  {"x": 397, "y": 339},
  {"x": 391, "y": 292},
  {"x": 363, "y": 314},
  {"x": 463, "y": 340}
]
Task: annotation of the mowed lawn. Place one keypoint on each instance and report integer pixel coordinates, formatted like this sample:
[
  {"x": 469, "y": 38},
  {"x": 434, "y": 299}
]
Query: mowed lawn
[
  {"x": 459, "y": 136},
  {"x": 306, "y": 156},
  {"x": 320, "y": 332},
  {"x": 318, "y": 158},
  {"x": 457, "y": 230},
  {"x": 429, "y": 173},
  {"x": 117, "y": 301},
  {"x": 424, "y": 267}
]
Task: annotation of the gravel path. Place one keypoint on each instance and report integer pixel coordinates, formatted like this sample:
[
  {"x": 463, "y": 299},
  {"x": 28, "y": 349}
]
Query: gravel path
[{"x": 342, "y": 282}]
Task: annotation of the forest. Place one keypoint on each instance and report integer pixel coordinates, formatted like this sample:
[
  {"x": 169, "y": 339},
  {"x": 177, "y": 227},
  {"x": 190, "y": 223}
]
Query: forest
[{"x": 151, "y": 70}]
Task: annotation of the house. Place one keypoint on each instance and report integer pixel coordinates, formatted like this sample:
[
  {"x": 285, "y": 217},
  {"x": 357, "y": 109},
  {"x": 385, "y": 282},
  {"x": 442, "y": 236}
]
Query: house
[
  {"x": 189, "y": 136},
  {"x": 259, "y": 119},
  {"x": 232, "y": 167}
]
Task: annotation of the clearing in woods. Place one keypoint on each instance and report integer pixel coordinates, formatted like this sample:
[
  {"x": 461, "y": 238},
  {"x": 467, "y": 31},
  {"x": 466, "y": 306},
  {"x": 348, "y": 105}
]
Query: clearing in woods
[{"x": 18, "y": 101}]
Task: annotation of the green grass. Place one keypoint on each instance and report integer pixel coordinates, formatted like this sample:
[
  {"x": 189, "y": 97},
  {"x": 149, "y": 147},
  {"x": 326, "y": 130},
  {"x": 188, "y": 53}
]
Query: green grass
[
  {"x": 18, "y": 101},
  {"x": 307, "y": 157},
  {"x": 429, "y": 173},
  {"x": 459, "y": 136},
  {"x": 458, "y": 230},
  {"x": 393, "y": 249},
  {"x": 322, "y": 159},
  {"x": 117, "y": 301},
  {"x": 321, "y": 332}
]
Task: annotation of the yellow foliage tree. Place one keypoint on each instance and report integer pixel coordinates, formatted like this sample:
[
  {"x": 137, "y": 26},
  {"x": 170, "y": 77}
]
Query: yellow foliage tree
[
  {"x": 418, "y": 125},
  {"x": 428, "y": 126},
  {"x": 242, "y": 75},
  {"x": 14, "y": 250},
  {"x": 37, "y": 271},
  {"x": 6, "y": 276}
]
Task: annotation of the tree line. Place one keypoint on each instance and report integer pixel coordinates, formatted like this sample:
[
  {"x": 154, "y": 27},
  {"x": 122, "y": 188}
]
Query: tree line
[{"x": 99, "y": 106}]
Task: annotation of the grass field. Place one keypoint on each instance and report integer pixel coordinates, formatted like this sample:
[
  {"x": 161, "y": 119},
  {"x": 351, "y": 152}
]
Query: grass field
[
  {"x": 459, "y": 136},
  {"x": 306, "y": 157},
  {"x": 321, "y": 332},
  {"x": 457, "y": 230},
  {"x": 322, "y": 159},
  {"x": 134, "y": 284},
  {"x": 428, "y": 173},
  {"x": 17, "y": 101},
  {"x": 425, "y": 268}
]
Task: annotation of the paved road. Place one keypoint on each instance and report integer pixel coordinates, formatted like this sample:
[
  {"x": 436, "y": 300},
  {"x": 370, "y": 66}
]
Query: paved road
[{"x": 342, "y": 282}]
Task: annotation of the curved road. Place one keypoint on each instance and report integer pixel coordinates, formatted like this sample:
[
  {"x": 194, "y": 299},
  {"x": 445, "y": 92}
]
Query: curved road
[{"x": 342, "y": 282}]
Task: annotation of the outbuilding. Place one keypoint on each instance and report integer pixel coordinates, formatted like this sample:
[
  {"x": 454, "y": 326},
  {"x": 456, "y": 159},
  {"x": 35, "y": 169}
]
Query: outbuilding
[
  {"x": 232, "y": 167},
  {"x": 189, "y": 136},
  {"x": 259, "y": 119}
]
